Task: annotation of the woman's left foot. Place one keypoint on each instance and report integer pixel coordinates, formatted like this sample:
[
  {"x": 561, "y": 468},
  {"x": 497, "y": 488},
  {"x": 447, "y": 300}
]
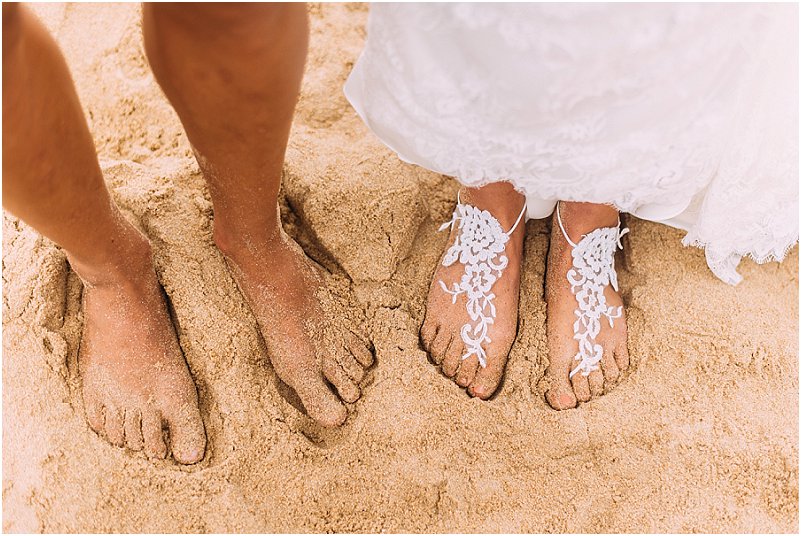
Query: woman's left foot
[
  {"x": 599, "y": 325},
  {"x": 471, "y": 314}
]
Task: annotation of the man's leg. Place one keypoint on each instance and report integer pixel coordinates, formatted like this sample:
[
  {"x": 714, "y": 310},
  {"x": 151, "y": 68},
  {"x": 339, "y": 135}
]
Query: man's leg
[
  {"x": 233, "y": 73},
  {"x": 134, "y": 377}
]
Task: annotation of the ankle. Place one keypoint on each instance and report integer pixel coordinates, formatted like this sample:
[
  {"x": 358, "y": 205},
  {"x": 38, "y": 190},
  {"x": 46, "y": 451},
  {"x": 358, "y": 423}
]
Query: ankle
[
  {"x": 500, "y": 199},
  {"x": 241, "y": 246},
  {"x": 580, "y": 219},
  {"x": 128, "y": 260}
]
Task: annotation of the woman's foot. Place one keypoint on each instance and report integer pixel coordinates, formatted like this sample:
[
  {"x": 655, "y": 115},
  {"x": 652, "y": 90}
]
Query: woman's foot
[
  {"x": 308, "y": 342},
  {"x": 447, "y": 314},
  {"x": 564, "y": 392},
  {"x": 135, "y": 381}
]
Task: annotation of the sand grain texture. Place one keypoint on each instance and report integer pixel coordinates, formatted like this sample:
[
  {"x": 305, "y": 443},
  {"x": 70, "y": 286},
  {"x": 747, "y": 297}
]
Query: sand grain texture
[{"x": 702, "y": 435}]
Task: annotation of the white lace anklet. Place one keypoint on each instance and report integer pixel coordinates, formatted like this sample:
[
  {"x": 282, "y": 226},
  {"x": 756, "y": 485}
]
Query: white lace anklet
[
  {"x": 479, "y": 246},
  {"x": 593, "y": 269}
]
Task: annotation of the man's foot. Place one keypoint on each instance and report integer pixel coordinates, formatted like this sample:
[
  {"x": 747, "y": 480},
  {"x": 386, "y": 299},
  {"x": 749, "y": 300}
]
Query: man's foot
[
  {"x": 308, "y": 344},
  {"x": 134, "y": 377},
  {"x": 564, "y": 392},
  {"x": 441, "y": 332}
]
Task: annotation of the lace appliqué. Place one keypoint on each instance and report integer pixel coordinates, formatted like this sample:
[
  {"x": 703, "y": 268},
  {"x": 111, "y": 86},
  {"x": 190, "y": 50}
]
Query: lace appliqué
[
  {"x": 479, "y": 245},
  {"x": 593, "y": 269},
  {"x": 641, "y": 107}
]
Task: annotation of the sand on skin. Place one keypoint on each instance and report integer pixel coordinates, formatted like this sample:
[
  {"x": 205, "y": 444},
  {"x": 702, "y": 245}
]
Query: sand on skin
[{"x": 702, "y": 436}]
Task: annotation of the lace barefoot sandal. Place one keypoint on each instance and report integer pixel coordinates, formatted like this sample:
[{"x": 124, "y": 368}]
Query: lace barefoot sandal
[
  {"x": 593, "y": 269},
  {"x": 479, "y": 245}
]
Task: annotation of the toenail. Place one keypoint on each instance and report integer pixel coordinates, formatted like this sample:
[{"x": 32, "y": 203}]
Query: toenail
[{"x": 480, "y": 392}]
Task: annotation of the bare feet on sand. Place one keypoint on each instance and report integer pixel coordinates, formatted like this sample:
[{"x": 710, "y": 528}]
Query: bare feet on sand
[
  {"x": 441, "y": 331},
  {"x": 134, "y": 377},
  {"x": 309, "y": 346},
  {"x": 564, "y": 392}
]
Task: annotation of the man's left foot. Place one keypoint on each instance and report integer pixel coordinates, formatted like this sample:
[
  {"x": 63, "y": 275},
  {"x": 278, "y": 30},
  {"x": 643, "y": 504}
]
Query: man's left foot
[{"x": 308, "y": 345}]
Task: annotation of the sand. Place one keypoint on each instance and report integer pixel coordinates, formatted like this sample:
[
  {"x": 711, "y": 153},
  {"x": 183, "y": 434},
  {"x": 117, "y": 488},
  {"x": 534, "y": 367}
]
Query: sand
[{"x": 701, "y": 436}]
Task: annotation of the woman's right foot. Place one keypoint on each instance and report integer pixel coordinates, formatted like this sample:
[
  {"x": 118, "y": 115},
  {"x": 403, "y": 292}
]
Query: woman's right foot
[{"x": 441, "y": 332}]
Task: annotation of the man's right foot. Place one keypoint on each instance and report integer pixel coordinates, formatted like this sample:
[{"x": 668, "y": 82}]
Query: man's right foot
[
  {"x": 135, "y": 381},
  {"x": 308, "y": 344}
]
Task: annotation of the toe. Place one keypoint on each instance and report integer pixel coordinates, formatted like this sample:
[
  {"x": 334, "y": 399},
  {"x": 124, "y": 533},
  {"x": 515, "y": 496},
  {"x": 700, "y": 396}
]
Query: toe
[
  {"x": 115, "y": 432},
  {"x": 351, "y": 366},
  {"x": 347, "y": 388},
  {"x": 609, "y": 367},
  {"x": 622, "y": 355},
  {"x": 133, "y": 429},
  {"x": 596, "y": 381},
  {"x": 560, "y": 393},
  {"x": 467, "y": 371},
  {"x": 152, "y": 435},
  {"x": 440, "y": 345},
  {"x": 561, "y": 396},
  {"x": 360, "y": 352},
  {"x": 321, "y": 404},
  {"x": 453, "y": 357},
  {"x": 94, "y": 416},
  {"x": 487, "y": 378},
  {"x": 581, "y": 387},
  {"x": 428, "y": 333},
  {"x": 187, "y": 435}
]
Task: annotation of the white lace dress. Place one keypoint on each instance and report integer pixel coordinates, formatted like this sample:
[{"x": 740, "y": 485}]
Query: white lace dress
[{"x": 685, "y": 114}]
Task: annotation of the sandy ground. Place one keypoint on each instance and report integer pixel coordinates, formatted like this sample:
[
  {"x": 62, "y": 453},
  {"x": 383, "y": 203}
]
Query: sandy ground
[{"x": 701, "y": 436}]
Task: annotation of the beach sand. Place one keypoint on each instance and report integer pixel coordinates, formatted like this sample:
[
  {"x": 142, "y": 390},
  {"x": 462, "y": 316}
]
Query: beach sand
[{"x": 702, "y": 435}]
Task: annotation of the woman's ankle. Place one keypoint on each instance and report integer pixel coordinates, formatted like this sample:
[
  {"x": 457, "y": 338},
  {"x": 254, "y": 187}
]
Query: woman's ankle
[
  {"x": 499, "y": 198},
  {"x": 582, "y": 218}
]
